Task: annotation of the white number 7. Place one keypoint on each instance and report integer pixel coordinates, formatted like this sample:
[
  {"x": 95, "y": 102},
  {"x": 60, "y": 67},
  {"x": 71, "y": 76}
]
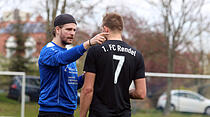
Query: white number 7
[{"x": 119, "y": 66}]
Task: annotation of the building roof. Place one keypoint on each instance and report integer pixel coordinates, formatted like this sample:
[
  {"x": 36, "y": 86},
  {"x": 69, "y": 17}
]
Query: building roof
[{"x": 29, "y": 27}]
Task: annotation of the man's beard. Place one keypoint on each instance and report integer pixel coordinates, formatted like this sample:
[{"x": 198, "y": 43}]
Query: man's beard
[{"x": 64, "y": 40}]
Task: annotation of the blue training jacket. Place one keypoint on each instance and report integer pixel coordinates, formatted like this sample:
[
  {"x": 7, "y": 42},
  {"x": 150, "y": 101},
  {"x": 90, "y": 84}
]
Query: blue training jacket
[{"x": 59, "y": 78}]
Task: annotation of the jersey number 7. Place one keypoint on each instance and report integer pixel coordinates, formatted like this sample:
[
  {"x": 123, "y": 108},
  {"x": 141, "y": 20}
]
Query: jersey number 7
[{"x": 121, "y": 60}]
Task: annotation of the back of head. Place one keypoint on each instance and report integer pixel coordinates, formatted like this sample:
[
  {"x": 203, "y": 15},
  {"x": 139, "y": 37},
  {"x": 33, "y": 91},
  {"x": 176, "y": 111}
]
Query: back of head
[{"x": 113, "y": 21}]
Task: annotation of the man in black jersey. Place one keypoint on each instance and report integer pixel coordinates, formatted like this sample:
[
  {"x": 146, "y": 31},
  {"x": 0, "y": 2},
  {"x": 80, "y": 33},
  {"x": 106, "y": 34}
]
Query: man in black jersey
[{"x": 110, "y": 68}]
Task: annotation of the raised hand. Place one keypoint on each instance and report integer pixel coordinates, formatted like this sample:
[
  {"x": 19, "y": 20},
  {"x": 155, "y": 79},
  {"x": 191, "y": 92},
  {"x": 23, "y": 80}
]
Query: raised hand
[{"x": 98, "y": 39}]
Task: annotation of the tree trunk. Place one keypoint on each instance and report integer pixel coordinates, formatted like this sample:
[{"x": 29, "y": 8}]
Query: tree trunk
[
  {"x": 63, "y": 7},
  {"x": 170, "y": 80},
  {"x": 51, "y": 14}
]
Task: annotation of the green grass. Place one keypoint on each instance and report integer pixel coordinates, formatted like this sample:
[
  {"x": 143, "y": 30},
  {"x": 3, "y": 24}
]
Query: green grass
[
  {"x": 9, "y": 107},
  {"x": 156, "y": 113}
]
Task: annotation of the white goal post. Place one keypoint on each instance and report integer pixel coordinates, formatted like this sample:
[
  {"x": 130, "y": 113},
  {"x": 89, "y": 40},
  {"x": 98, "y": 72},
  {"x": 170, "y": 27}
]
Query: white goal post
[
  {"x": 173, "y": 75},
  {"x": 9, "y": 73}
]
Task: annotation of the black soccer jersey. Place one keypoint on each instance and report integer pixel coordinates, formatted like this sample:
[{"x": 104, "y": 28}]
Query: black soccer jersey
[{"x": 116, "y": 64}]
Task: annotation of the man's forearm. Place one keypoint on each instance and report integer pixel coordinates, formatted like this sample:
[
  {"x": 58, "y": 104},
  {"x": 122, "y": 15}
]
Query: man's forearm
[
  {"x": 140, "y": 89},
  {"x": 135, "y": 95},
  {"x": 85, "y": 101}
]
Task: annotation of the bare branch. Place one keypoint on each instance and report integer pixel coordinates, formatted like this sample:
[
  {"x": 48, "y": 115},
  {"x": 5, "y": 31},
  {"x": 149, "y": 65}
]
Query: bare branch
[
  {"x": 63, "y": 7},
  {"x": 55, "y": 9}
]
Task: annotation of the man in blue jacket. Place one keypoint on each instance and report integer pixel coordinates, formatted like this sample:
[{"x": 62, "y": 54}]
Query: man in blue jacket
[{"x": 58, "y": 73}]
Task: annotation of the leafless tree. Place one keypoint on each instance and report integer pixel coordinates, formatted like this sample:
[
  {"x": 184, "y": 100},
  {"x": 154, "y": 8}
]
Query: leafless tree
[{"x": 179, "y": 23}]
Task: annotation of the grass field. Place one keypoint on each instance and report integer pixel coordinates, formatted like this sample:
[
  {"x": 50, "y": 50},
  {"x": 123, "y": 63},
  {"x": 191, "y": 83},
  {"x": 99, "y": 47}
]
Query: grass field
[{"x": 10, "y": 107}]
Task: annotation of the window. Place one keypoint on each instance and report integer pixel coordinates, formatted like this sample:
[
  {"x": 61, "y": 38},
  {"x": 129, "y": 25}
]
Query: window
[
  {"x": 192, "y": 96},
  {"x": 10, "y": 46},
  {"x": 181, "y": 94},
  {"x": 34, "y": 82},
  {"x": 30, "y": 47}
]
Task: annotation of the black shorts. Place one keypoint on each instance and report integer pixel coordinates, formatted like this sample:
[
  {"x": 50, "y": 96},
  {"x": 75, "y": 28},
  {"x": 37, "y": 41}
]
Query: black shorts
[
  {"x": 54, "y": 114},
  {"x": 93, "y": 113}
]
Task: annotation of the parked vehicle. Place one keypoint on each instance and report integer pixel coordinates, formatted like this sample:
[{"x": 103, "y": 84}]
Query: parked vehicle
[
  {"x": 32, "y": 88},
  {"x": 185, "y": 101}
]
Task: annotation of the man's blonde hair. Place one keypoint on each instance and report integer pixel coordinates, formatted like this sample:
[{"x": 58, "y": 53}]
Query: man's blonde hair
[{"x": 113, "y": 21}]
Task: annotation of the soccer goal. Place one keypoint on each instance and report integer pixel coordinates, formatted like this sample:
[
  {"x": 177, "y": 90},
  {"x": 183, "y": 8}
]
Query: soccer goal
[{"x": 9, "y": 73}]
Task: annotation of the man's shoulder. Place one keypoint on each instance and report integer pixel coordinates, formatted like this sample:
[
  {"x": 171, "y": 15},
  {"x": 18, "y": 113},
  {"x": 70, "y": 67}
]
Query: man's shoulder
[
  {"x": 129, "y": 46},
  {"x": 137, "y": 51},
  {"x": 125, "y": 47},
  {"x": 94, "y": 48},
  {"x": 50, "y": 45},
  {"x": 49, "y": 48}
]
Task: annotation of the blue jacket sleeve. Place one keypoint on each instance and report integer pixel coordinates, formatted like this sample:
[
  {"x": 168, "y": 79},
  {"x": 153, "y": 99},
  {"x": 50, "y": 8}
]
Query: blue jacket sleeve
[
  {"x": 80, "y": 81},
  {"x": 52, "y": 57}
]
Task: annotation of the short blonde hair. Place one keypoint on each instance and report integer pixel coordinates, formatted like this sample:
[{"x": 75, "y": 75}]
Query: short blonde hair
[{"x": 113, "y": 21}]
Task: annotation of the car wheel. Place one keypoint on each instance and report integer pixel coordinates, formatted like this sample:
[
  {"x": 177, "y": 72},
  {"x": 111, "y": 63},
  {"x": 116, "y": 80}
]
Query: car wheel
[
  {"x": 172, "y": 107},
  {"x": 207, "y": 110},
  {"x": 160, "y": 108}
]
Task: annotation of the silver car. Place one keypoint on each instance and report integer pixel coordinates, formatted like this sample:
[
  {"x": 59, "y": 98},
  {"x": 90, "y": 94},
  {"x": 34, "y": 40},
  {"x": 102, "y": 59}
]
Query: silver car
[{"x": 185, "y": 101}]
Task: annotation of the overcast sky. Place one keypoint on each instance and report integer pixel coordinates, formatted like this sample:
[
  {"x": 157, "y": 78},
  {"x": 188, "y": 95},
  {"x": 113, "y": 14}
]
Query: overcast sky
[{"x": 140, "y": 7}]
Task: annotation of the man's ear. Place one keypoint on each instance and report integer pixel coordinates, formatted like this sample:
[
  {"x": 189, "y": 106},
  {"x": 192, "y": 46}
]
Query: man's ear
[
  {"x": 106, "y": 29},
  {"x": 57, "y": 29}
]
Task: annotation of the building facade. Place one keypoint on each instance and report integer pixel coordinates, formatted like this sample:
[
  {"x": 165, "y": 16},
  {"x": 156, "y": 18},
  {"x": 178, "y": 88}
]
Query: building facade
[{"x": 36, "y": 36}]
